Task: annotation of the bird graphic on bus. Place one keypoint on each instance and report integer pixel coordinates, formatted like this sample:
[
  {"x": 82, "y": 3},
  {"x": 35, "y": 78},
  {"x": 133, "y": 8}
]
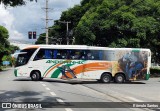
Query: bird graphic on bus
[
  {"x": 132, "y": 63},
  {"x": 65, "y": 70}
]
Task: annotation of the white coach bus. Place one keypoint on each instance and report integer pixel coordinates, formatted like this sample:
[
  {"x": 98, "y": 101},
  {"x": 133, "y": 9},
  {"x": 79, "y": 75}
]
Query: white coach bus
[{"x": 83, "y": 62}]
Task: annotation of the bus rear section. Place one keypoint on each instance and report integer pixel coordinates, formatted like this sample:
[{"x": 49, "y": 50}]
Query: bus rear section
[{"x": 131, "y": 64}]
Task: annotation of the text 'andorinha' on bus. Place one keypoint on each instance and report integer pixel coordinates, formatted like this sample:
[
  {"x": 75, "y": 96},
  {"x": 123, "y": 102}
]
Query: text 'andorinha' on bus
[{"x": 83, "y": 62}]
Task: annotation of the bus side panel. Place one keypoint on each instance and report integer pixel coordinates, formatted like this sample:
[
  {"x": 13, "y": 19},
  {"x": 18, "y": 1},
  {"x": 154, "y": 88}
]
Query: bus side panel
[
  {"x": 22, "y": 71},
  {"x": 64, "y": 69},
  {"x": 94, "y": 69},
  {"x": 40, "y": 65},
  {"x": 78, "y": 69}
]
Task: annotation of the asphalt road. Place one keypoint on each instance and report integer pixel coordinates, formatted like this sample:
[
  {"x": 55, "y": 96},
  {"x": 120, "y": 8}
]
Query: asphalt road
[{"x": 88, "y": 93}]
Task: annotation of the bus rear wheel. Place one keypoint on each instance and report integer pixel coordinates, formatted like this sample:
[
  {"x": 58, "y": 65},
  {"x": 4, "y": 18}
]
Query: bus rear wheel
[
  {"x": 106, "y": 78},
  {"x": 119, "y": 78},
  {"x": 35, "y": 76}
]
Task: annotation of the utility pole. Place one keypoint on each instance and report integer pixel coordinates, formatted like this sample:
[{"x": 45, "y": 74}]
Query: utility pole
[
  {"x": 46, "y": 21},
  {"x": 66, "y": 22}
]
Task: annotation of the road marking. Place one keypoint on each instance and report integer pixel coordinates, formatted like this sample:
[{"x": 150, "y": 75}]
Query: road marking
[
  {"x": 134, "y": 99},
  {"x": 52, "y": 93},
  {"x": 68, "y": 109},
  {"x": 43, "y": 85},
  {"x": 62, "y": 102},
  {"x": 47, "y": 88},
  {"x": 59, "y": 100}
]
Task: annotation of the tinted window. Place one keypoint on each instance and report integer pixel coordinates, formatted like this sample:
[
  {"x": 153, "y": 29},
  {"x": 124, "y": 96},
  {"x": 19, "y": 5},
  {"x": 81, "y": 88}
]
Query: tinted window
[
  {"x": 23, "y": 58},
  {"x": 44, "y": 54},
  {"x": 72, "y": 54},
  {"x": 78, "y": 54}
]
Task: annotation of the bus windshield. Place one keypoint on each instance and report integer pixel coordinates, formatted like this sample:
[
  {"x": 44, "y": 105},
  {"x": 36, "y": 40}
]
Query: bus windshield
[{"x": 24, "y": 57}]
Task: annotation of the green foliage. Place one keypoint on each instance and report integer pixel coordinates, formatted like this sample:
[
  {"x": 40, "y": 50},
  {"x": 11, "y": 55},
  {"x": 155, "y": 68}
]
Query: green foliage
[
  {"x": 14, "y": 3},
  {"x": 155, "y": 72},
  {"x": 5, "y": 48},
  {"x": 41, "y": 39},
  {"x": 0, "y": 68},
  {"x": 7, "y": 58},
  {"x": 3, "y": 34},
  {"x": 113, "y": 23},
  {"x": 3, "y": 39}
]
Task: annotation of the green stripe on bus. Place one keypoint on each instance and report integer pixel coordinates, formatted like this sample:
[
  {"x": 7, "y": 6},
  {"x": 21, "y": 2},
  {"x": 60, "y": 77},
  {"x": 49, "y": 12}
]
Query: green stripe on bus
[
  {"x": 147, "y": 76},
  {"x": 57, "y": 72},
  {"x": 15, "y": 72},
  {"x": 135, "y": 50},
  {"x": 48, "y": 69}
]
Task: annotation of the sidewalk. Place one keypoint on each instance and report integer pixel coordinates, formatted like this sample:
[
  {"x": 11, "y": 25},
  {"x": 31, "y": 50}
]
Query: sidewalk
[{"x": 6, "y": 68}]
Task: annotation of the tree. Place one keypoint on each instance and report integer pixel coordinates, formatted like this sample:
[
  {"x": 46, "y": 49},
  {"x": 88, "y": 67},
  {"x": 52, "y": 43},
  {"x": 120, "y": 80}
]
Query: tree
[
  {"x": 41, "y": 39},
  {"x": 114, "y": 23},
  {"x": 14, "y": 3},
  {"x": 121, "y": 23},
  {"x": 5, "y": 48},
  {"x": 73, "y": 15},
  {"x": 6, "y": 58},
  {"x": 4, "y": 44}
]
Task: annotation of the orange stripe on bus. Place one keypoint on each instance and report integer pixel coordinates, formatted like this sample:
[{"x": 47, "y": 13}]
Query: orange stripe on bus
[
  {"x": 90, "y": 67},
  {"x": 31, "y": 47},
  {"x": 54, "y": 67}
]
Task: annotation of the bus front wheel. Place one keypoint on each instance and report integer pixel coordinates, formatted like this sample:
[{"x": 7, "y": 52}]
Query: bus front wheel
[
  {"x": 35, "y": 76},
  {"x": 106, "y": 78},
  {"x": 119, "y": 78}
]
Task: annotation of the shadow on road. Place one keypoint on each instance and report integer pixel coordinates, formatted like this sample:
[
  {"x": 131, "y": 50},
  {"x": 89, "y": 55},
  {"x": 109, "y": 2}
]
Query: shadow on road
[
  {"x": 22, "y": 97},
  {"x": 89, "y": 82},
  {"x": 154, "y": 109},
  {"x": 78, "y": 81},
  {"x": 22, "y": 79},
  {"x": 134, "y": 82}
]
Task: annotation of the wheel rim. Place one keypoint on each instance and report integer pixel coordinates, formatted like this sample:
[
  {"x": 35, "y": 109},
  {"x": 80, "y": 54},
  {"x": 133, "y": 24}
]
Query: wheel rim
[
  {"x": 34, "y": 76},
  {"x": 120, "y": 78},
  {"x": 106, "y": 79}
]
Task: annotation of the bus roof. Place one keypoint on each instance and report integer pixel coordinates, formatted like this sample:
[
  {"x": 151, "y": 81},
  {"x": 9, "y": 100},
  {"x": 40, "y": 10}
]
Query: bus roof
[{"x": 82, "y": 47}]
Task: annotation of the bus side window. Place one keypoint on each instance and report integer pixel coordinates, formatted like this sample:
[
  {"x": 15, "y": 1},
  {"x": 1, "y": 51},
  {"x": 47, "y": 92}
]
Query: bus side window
[
  {"x": 84, "y": 55},
  {"x": 68, "y": 54},
  {"x": 57, "y": 54},
  {"x": 63, "y": 54},
  {"x": 48, "y": 54},
  {"x": 76, "y": 54},
  {"x": 54, "y": 54},
  {"x": 100, "y": 55},
  {"x": 40, "y": 55}
]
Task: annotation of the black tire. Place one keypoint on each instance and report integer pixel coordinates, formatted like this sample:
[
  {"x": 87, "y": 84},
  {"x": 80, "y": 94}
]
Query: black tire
[
  {"x": 35, "y": 76},
  {"x": 119, "y": 78},
  {"x": 106, "y": 78}
]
